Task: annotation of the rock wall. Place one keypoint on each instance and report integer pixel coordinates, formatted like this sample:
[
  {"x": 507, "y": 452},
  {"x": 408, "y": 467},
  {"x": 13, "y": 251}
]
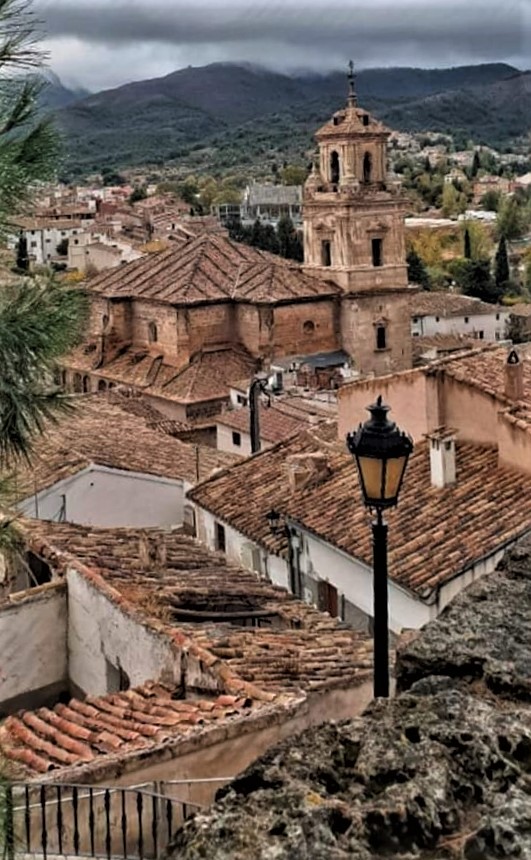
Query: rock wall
[{"x": 441, "y": 771}]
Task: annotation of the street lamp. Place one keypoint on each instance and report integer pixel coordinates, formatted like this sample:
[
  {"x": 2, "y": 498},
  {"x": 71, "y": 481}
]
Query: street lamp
[{"x": 381, "y": 452}]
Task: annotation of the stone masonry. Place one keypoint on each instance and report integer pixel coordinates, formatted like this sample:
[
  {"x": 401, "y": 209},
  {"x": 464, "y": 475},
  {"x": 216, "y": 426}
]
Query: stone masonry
[{"x": 442, "y": 771}]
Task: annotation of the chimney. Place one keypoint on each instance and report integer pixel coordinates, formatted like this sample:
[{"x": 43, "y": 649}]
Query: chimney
[
  {"x": 514, "y": 377},
  {"x": 304, "y": 469},
  {"x": 442, "y": 457}
]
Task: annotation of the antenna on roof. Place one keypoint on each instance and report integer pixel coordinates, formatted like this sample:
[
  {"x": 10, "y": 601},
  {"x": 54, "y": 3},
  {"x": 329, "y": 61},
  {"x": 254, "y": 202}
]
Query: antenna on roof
[{"x": 352, "y": 100}]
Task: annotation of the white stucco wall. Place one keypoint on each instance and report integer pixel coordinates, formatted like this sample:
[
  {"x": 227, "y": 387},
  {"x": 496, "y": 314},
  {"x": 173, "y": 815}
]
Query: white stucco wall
[
  {"x": 492, "y": 328},
  {"x": 224, "y": 441},
  {"x": 99, "y": 631},
  {"x": 354, "y": 580},
  {"x": 99, "y": 496},
  {"x": 33, "y": 644}
]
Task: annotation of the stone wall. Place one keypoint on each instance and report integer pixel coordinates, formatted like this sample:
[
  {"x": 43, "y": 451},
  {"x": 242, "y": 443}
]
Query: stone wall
[{"x": 441, "y": 771}]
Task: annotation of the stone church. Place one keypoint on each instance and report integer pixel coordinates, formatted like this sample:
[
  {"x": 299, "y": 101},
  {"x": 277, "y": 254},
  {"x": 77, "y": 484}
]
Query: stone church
[
  {"x": 354, "y": 235},
  {"x": 186, "y": 324}
]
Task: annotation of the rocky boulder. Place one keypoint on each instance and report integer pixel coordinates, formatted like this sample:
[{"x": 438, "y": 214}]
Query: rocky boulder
[{"x": 441, "y": 771}]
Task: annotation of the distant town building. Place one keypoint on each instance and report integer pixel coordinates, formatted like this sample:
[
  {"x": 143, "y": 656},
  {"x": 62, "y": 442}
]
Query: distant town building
[
  {"x": 269, "y": 203},
  {"x": 444, "y": 313}
]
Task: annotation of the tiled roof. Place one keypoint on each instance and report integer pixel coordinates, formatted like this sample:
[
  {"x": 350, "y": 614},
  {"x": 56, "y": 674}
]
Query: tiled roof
[
  {"x": 101, "y": 432},
  {"x": 434, "y": 533},
  {"x": 208, "y": 376},
  {"x": 485, "y": 369},
  {"x": 279, "y": 195},
  {"x": 275, "y": 425},
  {"x": 444, "y": 304},
  {"x": 136, "y": 720},
  {"x": 210, "y": 268},
  {"x": 520, "y": 309},
  {"x": 164, "y": 577}
]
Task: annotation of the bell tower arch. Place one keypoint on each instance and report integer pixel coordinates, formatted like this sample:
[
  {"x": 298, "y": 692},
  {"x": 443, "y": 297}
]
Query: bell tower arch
[{"x": 354, "y": 235}]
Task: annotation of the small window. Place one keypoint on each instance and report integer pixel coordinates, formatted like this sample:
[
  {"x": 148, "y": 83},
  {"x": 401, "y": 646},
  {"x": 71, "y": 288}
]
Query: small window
[
  {"x": 481, "y": 335},
  {"x": 497, "y": 316},
  {"x": 221, "y": 543},
  {"x": 367, "y": 167},
  {"x": 365, "y": 119},
  {"x": 236, "y": 438},
  {"x": 437, "y": 319},
  {"x": 326, "y": 253},
  {"x": 466, "y": 319},
  {"x": 377, "y": 252},
  {"x": 153, "y": 334},
  {"x": 381, "y": 337},
  {"x": 241, "y": 400},
  {"x": 415, "y": 319},
  {"x": 308, "y": 327}
]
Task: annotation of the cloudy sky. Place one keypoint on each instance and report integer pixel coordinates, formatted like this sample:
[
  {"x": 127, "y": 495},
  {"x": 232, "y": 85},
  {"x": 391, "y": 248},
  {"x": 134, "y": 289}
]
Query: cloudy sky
[{"x": 103, "y": 43}]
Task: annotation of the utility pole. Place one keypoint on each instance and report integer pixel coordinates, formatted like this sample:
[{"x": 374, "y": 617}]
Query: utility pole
[{"x": 258, "y": 385}]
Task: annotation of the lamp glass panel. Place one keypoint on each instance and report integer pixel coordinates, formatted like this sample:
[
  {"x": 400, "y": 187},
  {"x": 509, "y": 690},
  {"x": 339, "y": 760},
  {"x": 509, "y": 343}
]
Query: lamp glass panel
[
  {"x": 393, "y": 477},
  {"x": 371, "y": 472}
]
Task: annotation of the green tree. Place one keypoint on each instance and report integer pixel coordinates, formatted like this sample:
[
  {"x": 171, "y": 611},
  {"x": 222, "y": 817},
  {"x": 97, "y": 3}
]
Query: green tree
[
  {"x": 138, "y": 193},
  {"x": 501, "y": 265},
  {"x": 417, "y": 271},
  {"x": 510, "y": 221},
  {"x": 289, "y": 243},
  {"x": 467, "y": 245},
  {"x": 491, "y": 200},
  {"x": 22, "y": 253},
  {"x": 293, "y": 174},
  {"x": 475, "y": 280},
  {"x": 476, "y": 164},
  {"x": 39, "y": 320}
]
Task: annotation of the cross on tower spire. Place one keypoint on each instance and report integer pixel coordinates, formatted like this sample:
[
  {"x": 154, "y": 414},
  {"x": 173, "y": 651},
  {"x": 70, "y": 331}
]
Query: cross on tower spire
[{"x": 352, "y": 100}]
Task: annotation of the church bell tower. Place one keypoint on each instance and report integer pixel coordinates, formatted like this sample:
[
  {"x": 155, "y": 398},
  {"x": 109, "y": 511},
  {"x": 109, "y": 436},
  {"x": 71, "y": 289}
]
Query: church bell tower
[{"x": 354, "y": 235}]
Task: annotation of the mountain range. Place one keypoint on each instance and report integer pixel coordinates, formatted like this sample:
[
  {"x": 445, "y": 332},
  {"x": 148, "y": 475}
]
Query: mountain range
[{"x": 227, "y": 115}]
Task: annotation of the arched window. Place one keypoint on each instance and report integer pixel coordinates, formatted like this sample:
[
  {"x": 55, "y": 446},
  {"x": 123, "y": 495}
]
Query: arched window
[
  {"x": 153, "y": 334},
  {"x": 78, "y": 383},
  {"x": 308, "y": 327},
  {"x": 102, "y": 385},
  {"x": 334, "y": 168},
  {"x": 86, "y": 384},
  {"x": 367, "y": 167}
]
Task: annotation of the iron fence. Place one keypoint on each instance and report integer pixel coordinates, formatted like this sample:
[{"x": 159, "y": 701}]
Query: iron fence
[{"x": 79, "y": 820}]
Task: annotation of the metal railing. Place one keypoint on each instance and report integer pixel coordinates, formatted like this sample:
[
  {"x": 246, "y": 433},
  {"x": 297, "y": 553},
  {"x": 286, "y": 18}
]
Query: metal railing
[{"x": 58, "y": 819}]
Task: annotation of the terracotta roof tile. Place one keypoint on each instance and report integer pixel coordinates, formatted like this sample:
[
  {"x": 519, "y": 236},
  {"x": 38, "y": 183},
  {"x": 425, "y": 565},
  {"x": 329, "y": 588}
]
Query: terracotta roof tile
[
  {"x": 208, "y": 377},
  {"x": 101, "y": 432},
  {"x": 303, "y": 650},
  {"x": 434, "y": 534},
  {"x": 211, "y": 268},
  {"x": 444, "y": 304}
]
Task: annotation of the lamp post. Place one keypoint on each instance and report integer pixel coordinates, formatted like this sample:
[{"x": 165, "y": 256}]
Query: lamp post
[{"x": 381, "y": 452}]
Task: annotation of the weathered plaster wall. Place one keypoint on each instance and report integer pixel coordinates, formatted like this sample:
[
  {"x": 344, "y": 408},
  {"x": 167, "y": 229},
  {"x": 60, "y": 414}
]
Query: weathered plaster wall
[
  {"x": 514, "y": 444},
  {"x": 33, "y": 648},
  {"x": 411, "y": 396},
  {"x": 225, "y": 441},
  {"x": 305, "y": 328},
  {"x": 99, "y": 633},
  {"x": 100, "y": 496},
  {"x": 473, "y": 413}
]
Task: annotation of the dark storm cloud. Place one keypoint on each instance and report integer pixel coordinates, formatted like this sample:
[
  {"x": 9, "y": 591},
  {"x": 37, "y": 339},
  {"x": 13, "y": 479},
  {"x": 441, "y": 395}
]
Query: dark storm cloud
[{"x": 371, "y": 31}]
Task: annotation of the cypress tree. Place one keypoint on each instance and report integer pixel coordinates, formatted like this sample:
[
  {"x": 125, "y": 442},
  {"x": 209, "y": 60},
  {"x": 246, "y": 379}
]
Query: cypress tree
[
  {"x": 501, "y": 270},
  {"x": 22, "y": 253},
  {"x": 468, "y": 245}
]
